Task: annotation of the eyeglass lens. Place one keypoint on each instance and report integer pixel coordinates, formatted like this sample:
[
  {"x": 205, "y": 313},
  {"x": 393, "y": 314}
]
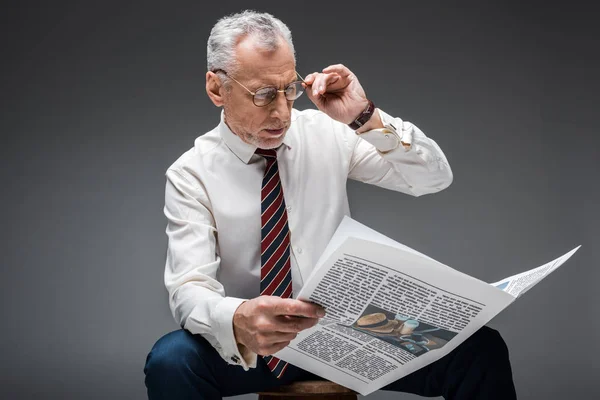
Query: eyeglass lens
[{"x": 264, "y": 96}]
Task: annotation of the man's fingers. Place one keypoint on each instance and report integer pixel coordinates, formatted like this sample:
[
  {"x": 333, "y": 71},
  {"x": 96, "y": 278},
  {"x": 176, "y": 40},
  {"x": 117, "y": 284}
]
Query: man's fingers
[
  {"x": 266, "y": 339},
  {"x": 265, "y": 321},
  {"x": 318, "y": 85},
  {"x": 310, "y": 78},
  {"x": 324, "y": 81},
  {"x": 297, "y": 308},
  {"x": 310, "y": 85},
  {"x": 331, "y": 80},
  {"x": 316, "y": 99},
  {"x": 295, "y": 324},
  {"x": 272, "y": 349},
  {"x": 330, "y": 75},
  {"x": 276, "y": 337},
  {"x": 337, "y": 68}
]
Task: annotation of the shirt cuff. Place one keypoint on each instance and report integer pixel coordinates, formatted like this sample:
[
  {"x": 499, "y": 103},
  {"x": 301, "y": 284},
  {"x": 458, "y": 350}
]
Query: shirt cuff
[
  {"x": 222, "y": 318},
  {"x": 392, "y": 137}
]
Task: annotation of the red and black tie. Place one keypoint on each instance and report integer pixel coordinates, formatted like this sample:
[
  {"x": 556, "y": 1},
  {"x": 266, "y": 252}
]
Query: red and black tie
[{"x": 275, "y": 271}]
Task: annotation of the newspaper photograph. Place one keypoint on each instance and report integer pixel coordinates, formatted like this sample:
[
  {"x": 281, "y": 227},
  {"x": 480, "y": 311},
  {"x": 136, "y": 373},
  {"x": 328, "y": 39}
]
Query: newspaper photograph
[{"x": 412, "y": 335}]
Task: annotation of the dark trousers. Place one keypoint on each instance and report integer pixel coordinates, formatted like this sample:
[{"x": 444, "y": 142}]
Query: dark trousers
[{"x": 186, "y": 366}]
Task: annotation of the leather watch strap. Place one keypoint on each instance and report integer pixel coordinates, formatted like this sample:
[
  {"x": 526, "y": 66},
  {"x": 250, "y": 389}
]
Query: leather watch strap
[{"x": 363, "y": 117}]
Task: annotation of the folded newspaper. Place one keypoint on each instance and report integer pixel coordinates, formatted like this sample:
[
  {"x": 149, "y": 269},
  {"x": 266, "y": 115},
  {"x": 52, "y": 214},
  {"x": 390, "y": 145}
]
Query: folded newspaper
[{"x": 392, "y": 310}]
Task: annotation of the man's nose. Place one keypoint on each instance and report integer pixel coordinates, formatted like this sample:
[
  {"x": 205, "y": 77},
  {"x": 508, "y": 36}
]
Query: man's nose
[{"x": 280, "y": 108}]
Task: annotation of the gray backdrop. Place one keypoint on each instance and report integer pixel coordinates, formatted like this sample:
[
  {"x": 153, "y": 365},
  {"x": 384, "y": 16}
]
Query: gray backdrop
[{"x": 99, "y": 99}]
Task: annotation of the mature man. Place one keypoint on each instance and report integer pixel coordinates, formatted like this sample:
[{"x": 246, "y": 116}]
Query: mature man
[{"x": 253, "y": 204}]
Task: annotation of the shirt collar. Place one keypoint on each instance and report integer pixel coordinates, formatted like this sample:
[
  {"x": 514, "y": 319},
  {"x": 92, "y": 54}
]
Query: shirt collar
[{"x": 241, "y": 149}]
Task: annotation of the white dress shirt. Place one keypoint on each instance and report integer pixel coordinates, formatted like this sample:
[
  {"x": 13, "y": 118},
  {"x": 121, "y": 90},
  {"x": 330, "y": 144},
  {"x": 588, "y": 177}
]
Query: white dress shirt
[{"x": 213, "y": 203}]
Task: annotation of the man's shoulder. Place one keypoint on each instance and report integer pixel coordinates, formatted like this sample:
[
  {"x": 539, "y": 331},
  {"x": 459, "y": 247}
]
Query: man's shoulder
[{"x": 203, "y": 145}]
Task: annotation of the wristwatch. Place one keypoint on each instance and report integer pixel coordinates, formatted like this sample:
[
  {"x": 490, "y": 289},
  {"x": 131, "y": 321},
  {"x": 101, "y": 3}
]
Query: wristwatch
[{"x": 363, "y": 117}]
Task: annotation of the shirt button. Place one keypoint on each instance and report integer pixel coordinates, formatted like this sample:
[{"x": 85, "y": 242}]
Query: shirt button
[
  {"x": 299, "y": 250},
  {"x": 235, "y": 359},
  {"x": 289, "y": 208}
]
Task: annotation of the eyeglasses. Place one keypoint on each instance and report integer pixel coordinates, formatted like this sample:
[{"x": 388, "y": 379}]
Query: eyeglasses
[{"x": 265, "y": 95}]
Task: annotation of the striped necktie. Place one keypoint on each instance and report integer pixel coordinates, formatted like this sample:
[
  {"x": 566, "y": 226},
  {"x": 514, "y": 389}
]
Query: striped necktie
[{"x": 275, "y": 271}]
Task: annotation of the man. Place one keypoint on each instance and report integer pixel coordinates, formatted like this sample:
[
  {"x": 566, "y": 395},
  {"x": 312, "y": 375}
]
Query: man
[{"x": 252, "y": 205}]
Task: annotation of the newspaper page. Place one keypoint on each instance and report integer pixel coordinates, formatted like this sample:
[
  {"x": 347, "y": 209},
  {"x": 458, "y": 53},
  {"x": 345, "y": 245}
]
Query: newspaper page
[
  {"x": 390, "y": 310},
  {"x": 517, "y": 285}
]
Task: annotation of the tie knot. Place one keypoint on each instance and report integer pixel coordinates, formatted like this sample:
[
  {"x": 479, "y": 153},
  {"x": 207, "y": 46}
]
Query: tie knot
[{"x": 270, "y": 153}]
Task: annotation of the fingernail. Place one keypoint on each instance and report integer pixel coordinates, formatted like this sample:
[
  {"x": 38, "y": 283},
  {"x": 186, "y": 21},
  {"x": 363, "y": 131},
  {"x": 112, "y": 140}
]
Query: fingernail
[
  {"x": 321, "y": 312},
  {"x": 314, "y": 92},
  {"x": 320, "y": 88}
]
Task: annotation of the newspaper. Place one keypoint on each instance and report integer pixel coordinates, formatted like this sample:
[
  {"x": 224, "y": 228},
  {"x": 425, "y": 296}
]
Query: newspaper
[{"x": 392, "y": 310}]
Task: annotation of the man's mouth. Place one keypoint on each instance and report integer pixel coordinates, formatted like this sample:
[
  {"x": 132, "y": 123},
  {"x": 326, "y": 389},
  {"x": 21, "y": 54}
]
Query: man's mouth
[{"x": 275, "y": 132}]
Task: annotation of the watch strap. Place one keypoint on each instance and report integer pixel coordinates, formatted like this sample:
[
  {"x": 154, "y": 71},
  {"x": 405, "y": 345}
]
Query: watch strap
[{"x": 363, "y": 117}]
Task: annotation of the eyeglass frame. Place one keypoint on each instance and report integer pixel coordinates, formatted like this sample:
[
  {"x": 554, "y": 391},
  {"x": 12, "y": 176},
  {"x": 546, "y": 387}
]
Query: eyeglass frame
[{"x": 265, "y": 87}]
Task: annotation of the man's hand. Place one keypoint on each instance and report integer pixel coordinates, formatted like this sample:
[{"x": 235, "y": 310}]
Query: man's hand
[
  {"x": 337, "y": 92},
  {"x": 267, "y": 324}
]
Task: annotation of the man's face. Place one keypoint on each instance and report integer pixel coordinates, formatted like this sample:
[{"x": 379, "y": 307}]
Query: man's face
[{"x": 266, "y": 126}]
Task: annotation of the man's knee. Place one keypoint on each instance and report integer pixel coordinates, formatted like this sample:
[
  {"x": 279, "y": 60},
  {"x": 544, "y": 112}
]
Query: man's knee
[
  {"x": 174, "y": 353},
  {"x": 488, "y": 344}
]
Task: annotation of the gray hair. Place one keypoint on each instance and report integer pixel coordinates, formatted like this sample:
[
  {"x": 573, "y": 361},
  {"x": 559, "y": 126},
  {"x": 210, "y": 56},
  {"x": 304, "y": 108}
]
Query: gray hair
[{"x": 225, "y": 35}]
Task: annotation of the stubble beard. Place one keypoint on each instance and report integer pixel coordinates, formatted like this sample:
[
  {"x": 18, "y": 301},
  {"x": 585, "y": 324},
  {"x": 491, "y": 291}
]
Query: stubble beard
[
  {"x": 253, "y": 139},
  {"x": 264, "y": 143}
]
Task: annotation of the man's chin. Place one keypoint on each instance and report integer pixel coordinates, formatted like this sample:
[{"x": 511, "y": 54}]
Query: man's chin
[{"x": 271, "y": 142}]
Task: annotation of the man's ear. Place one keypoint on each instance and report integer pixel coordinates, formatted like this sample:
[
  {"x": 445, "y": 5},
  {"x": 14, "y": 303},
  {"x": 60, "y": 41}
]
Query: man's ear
[{"x": 214, "y": 88}]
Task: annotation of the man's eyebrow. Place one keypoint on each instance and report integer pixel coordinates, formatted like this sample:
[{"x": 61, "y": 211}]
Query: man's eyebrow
[{"x": 257, "y": 86}]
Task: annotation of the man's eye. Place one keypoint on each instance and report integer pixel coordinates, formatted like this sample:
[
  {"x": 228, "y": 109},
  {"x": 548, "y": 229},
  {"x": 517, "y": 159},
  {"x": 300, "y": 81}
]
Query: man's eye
[
  {"x": 291, "y": 90},
  {"x": 264, "y": 93}
]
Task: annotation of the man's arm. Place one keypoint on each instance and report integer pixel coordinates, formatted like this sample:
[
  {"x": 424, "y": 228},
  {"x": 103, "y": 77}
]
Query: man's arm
[
  {"x": 394, "y": 154},
  {"x": 400, "y": 157},
  {"x": 197, "y": 300}
]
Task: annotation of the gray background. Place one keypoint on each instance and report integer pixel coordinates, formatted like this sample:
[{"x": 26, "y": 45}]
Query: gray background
[{"x": 99, "y": 99}]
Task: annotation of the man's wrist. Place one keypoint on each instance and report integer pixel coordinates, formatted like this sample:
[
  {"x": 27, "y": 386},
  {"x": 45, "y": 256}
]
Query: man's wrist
[
  {"x": 374, "y": 122},
  {"x": 234, "y": 320},
  {"x": 363, "y": 117}
]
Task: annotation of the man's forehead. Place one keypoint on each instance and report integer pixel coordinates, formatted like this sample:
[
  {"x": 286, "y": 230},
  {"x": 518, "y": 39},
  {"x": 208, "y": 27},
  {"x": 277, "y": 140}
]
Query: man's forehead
[
  {"x": 267, "y": 75},
  {"x": 262, "y": 79},
  {"x": 258, "y": 64}
]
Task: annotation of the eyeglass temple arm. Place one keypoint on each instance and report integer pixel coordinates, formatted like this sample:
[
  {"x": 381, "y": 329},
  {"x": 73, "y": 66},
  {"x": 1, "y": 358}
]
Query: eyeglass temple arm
[
  {"x": 302, "y": 79},
  {"x": 235, "y": 80}
]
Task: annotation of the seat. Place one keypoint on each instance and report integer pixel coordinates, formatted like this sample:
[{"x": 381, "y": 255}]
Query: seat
[{"x": 313, "y": 389}]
